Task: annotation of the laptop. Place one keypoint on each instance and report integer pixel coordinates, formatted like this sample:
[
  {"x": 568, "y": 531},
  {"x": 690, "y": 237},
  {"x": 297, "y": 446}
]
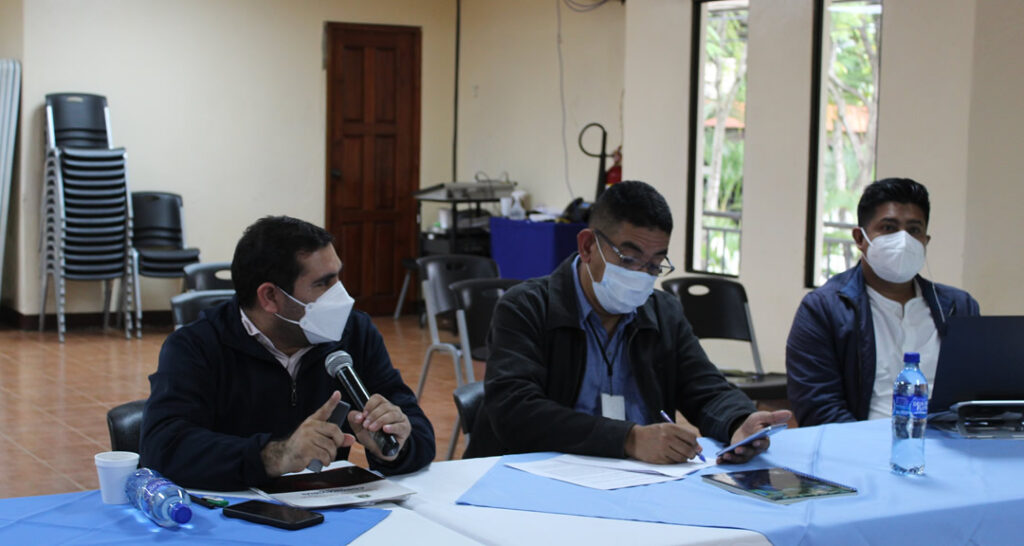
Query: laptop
[{"x": 980, "y": 372}]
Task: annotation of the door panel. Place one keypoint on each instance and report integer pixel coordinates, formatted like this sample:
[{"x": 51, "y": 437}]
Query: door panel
[{"x": 373, "y": 94}]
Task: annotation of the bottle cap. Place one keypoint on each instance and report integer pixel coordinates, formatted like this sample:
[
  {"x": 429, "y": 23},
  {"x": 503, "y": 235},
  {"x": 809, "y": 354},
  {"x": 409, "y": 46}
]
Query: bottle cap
[
  {"x": 181, "y": 513},
  {"x": 911, "y": 357}
]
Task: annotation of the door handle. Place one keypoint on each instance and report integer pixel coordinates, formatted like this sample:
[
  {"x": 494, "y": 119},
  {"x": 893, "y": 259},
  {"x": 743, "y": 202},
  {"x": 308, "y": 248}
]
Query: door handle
[{"x": 336, "y": 174}]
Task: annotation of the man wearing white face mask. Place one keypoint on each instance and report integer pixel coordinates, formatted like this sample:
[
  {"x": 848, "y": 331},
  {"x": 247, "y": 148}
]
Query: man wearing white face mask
[
  {"x": 846, "y": 345},
  {"x": 589, "y": 358},
  {"x": 242, "y": 395}
]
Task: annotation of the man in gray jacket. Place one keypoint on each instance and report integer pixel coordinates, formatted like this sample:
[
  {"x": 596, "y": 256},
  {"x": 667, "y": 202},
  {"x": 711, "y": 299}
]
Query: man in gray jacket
[{"x": 586, "y": 359}]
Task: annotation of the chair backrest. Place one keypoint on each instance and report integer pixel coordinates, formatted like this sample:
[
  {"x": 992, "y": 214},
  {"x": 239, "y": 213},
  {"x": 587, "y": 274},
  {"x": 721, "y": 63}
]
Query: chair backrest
[
  {"x": 476, "y": 299},
  {"x": 186, "y": 307},
  {"x": 77, "y": 120},
  {"x": 124, "y": 423},
  {"x": 440, "y": 271},
  {"x": 717, "y": 309},
  {"x": 468, "y": 399},
  {"x": 157, "y": 219},
  {"x": 203, "y": 276}
]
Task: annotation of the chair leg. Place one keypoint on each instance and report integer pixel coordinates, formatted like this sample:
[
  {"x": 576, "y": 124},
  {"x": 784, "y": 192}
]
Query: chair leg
[
  {"x": 61, "y": 294},
  {"x": 42, "y": 302},
  {"x": 401, "y": 295},
  {"x": 455, "y": 437},
  {"x": 423, "y": 371},
  {"x": 108, "y": 287}
]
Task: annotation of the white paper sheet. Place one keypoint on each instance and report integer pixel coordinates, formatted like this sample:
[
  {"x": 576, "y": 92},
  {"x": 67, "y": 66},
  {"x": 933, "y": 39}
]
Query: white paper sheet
[
  {"x": 675, "y": 470},
  {"x": 586, "y": 475}
]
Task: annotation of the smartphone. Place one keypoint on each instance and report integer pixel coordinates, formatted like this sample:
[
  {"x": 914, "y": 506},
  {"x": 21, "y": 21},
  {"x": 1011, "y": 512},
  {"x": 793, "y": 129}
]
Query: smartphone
[
  {"x": 763, "y": 433},
  {"x": 339, "y": 416},
  {"x": 277, "y": 515}
]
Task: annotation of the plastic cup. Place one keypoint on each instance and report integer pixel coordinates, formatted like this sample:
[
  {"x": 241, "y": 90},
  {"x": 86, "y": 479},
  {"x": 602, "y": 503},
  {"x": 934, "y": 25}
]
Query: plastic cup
[{"x": 113, "y": 468}]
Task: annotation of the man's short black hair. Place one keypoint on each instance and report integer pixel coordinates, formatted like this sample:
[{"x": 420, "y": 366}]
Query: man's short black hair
[
  {"x": 896, "y": 190},
  {"x": 269, "y": 252},
  {"x": 631, "y": 201}
]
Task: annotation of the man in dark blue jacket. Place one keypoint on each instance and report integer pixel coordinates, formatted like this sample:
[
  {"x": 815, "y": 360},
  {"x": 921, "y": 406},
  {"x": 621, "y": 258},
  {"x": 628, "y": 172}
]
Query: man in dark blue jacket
[
  {"x": 848, "y": 338},
  {"x": 242, "y": 395}
]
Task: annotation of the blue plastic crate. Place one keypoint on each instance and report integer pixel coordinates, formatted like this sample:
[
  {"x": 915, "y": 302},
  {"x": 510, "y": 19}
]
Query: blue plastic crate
[{"x": 525, "y": 249}]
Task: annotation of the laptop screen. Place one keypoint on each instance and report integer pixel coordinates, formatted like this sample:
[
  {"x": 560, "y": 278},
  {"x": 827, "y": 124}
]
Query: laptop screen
[{"x": 981, "y": 358}]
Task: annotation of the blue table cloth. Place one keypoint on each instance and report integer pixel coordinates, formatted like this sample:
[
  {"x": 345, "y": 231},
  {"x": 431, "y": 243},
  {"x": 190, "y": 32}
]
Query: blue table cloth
[
  {"x": 82, "y": 518},
  {"x": 971, "y": 494}
]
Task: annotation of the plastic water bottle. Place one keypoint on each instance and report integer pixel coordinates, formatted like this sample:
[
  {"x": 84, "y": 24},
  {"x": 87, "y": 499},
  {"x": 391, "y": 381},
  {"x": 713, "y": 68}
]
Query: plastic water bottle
[
  {"x": 909, "y": 417},
  {"x": 159, "y": 498}
]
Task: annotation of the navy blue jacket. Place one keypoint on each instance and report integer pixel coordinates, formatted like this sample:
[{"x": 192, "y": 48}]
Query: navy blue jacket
[
  {"x": 830, "y": 353},
  {"x": 218, "y": 397}
]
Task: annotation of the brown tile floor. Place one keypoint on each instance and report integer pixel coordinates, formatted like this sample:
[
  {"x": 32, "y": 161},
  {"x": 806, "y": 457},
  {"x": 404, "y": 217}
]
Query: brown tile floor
[{"x": 54, "y": 398}]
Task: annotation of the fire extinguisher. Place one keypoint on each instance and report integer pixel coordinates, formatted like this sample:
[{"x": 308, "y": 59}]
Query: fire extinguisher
[{"x": 614, "y": 175}]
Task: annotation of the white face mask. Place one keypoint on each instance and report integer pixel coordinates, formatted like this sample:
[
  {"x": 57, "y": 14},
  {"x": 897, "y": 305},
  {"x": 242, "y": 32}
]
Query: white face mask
[
  {"x": 895, "y": 257},
  {"x": 326, "y": 317},
  {"x": 621, "y": 290}
]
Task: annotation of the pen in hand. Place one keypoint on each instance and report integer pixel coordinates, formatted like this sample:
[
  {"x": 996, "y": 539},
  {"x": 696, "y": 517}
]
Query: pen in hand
[{"x": 669, "y": 420}]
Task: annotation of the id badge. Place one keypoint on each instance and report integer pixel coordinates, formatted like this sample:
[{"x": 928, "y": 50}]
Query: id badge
[{"x": 613, "y": 406}]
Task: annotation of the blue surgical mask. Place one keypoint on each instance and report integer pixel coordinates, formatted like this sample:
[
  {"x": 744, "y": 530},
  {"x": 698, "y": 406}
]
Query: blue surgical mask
[{"x": 621, "y": 290}]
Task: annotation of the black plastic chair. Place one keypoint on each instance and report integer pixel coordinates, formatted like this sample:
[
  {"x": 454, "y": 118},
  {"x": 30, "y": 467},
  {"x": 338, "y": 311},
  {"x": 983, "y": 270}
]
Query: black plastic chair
[
  {"x": 125, "y": 423},
  {"x": 204, "y": 276},
  {"x": 185, "y": 307},
  {"x": 78, "y": 120},
  {"x": 158, "y": 235},
  {"x": 468, "y": 399},
  {"x": 437, "y": 273},
  {"x": 475, "y": 300},
  {"x": 718, "y": 309}
]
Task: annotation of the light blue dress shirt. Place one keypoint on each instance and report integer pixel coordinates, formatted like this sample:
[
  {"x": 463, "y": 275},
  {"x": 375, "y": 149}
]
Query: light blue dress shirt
[{"x": 596, "y": 377}]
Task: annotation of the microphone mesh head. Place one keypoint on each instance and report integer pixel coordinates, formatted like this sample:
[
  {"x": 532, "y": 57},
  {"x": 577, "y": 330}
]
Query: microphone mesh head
[{"x": 336, "y": 361}]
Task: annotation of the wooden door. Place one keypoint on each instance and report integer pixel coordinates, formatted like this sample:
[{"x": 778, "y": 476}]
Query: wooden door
[{"x": 373, "y": 143}]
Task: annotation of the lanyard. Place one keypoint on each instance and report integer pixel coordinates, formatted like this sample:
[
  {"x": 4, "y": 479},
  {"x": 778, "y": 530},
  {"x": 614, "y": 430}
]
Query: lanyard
[{"x": 604, "y": 348}]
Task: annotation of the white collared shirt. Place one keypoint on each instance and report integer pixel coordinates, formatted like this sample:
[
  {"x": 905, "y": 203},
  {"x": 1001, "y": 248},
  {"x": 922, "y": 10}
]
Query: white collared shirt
[
  {"x": 290, "y": 363},
  {"x": 899, "y": 329}
]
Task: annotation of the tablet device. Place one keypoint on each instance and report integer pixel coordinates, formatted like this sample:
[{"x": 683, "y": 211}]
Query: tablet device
[
  {"x": 778, "y": 485},
  {"x": 763, "y": 433}
]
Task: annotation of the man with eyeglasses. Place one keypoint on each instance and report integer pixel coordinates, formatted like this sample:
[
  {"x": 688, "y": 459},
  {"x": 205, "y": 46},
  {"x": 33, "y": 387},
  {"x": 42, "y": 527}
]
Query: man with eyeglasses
[{"x": 592, "y": 360}]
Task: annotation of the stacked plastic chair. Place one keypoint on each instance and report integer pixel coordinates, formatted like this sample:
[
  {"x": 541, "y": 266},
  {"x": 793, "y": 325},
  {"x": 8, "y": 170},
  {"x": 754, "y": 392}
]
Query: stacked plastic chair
[{"x": 86, "y": 216}]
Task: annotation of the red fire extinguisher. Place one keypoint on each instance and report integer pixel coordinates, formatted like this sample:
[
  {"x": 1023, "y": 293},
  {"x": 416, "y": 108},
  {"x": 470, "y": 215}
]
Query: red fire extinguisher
[{"x": 615, "y": 172}]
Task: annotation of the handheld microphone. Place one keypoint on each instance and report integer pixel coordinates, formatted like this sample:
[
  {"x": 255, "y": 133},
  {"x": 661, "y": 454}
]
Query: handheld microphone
[{"x": 339, "y": 365}]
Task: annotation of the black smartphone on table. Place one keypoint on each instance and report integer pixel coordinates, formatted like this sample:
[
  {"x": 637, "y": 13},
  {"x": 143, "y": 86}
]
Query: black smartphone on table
[{"x": 277, "y": 515}]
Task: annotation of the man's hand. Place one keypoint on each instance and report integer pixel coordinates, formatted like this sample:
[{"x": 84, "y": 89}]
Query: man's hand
[
  {"x": 663, "y": 443},
  {"x": 754, "y": 422},
  {"x": 379, "y": 414},
  {"x": 314, "y": 439}
]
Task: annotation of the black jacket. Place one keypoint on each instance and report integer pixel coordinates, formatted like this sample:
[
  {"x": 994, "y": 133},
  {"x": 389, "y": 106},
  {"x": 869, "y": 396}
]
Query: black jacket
[
  {"x": 830, "y": 353},
  {"x": 536, "y": 366},
  {"x": 218, "y": 397}
]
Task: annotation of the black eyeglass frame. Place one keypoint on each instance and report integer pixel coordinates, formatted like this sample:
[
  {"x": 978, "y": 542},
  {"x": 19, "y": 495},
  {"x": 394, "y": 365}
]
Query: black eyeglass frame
[{"x": 631, "y": 263}]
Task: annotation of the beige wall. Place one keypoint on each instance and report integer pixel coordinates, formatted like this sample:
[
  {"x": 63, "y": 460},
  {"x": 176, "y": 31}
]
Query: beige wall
[
  {"x": 509, "y": 107},
  {"x": 932, "y": 128},
  {"x": 924, "y": 107},
  {"x": 223, "y": 102},
  {"x": 10, "y": 48},
  {"x": 10, "y": 29},
  {"x": 994, "y": 259}
]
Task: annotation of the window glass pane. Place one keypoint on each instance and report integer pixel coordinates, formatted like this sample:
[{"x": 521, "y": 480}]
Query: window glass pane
[
  {"x": 849, "y": 125},
  {"x": 720, "y": 133}
]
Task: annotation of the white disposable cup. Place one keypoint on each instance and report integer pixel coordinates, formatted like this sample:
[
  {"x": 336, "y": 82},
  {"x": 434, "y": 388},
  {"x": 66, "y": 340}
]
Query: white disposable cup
[
  {"x": 113, "y": 468},
  {"x": 506, "y": 205}
]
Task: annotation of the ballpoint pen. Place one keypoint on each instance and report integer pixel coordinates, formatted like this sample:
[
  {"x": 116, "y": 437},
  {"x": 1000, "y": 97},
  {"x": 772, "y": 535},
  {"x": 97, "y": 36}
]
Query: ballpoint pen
[{"x": 669, "y": 420}]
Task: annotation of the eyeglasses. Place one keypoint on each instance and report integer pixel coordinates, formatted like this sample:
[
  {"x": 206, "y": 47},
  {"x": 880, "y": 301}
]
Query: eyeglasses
[{"x": 634, "y": 260}]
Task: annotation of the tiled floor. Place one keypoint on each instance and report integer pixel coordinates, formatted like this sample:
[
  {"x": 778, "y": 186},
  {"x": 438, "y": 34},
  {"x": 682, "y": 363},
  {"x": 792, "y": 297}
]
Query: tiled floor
[{"x": 54, "y": 398}]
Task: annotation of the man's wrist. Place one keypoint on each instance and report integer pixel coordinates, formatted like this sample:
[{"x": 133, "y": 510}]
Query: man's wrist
[
  {"x": 272, "y": 455},
  {"x": 630, "y": 447}
]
